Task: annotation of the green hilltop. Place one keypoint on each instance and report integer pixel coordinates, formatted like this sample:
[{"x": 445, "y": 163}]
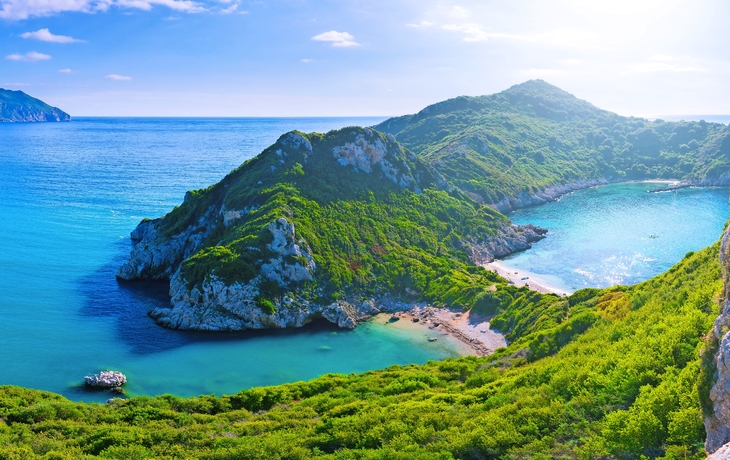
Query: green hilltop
[
  {"x": 321, "y": 219},
  {"x": 16, "y": 106},
  {"x": 517, "y": 143}
]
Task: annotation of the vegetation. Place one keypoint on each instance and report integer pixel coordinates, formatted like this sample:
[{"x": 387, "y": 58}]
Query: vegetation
[
  {"x": 612, "y": 373},
  {"x": 535, "y": 135},
  {"x": 368, "y": 235}
]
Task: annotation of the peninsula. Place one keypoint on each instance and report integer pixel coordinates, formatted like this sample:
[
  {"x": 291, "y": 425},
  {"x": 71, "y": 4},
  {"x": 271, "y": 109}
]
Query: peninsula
[
  {"x": 354, "y": 222},
  {"x": 16, "y": 106}
]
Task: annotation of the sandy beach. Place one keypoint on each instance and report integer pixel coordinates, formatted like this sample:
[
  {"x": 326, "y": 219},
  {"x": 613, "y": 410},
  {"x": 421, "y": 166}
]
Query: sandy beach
[
  {"x": 524, "y": 278},
  {"x": 471, "y": 329}
]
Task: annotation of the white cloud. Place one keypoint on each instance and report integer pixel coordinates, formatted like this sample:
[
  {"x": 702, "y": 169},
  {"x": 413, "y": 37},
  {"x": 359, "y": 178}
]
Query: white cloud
[
  {"x": 421, "y": 25},
  {"x": 662, "y": 63},
  {"x": 45, "y": 35},
  {"x": 230, "y": 9},
  {"x": 338, "y": 39},
  {"x": 115, "y": 77},
  {"x": 307, "y": 61},
  {"x": 28, "y": 57},
  {"x": 23, "y": 9},
  {"x": 65, "y": 71},
  {"x": 472, "y": 32}
]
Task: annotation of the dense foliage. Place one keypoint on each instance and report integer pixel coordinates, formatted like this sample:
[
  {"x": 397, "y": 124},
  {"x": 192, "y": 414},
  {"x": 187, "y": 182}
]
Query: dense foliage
[
  {"x": 610, "y": 373},
  {"x": 535, "y": 135},
  {"x": 368, "y": 234}
]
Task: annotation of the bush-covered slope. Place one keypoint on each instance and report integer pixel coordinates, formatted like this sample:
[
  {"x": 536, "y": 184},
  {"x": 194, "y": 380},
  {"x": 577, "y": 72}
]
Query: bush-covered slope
[
  {"x": 611, "y": 373},
  {"x": 316, "y": 219},
  {"x": 17, "y": 106},
  {"x": 534, "y": 136}
]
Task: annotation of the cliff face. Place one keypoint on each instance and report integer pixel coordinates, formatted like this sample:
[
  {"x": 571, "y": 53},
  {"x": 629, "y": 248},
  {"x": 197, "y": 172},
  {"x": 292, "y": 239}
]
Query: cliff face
[
  {"x": 275, "y": 245},
  {"x": 16, "y": 106},
  {"x": 717, "y": 424}
]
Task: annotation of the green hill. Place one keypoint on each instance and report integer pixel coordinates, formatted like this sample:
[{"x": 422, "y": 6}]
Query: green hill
[
  {"x": 338, "y": 225},
  {"x": 16, "y": 106},
  {"x": 534, "y": 141},
  {"x": 611, "y": 373}
]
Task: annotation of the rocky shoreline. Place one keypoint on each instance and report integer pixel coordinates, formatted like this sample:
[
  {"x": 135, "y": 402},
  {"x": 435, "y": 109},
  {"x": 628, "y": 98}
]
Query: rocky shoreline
[{"x": 216, "y": 306}]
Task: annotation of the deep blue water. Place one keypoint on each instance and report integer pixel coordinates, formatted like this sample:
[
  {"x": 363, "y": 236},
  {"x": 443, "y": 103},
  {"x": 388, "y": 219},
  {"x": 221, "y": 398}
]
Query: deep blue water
[
  {"x": 603, "y": 236},
  {"x": 70, "y": 193}
]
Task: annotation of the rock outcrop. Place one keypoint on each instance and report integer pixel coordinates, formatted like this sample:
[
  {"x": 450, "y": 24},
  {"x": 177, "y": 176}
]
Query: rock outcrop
[
  {"x": 524, "y": 199},
  {"x": 16, "y": 106},
  {"x": 511, "y": 238},
  {"x": 717, "y": 424},
  {"x": 106, "y": 379},
  {"x": 156, "y": 256}
]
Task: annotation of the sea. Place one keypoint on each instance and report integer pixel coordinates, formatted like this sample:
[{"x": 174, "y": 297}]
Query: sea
[
  {"x": 70, "y": 194},
  {"x": 619, "y": 233}
]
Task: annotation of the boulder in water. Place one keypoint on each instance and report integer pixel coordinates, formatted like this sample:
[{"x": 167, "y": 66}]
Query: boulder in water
[{"x": 106, "y": 379}]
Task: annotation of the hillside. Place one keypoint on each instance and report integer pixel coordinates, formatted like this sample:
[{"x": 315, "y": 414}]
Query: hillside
[
  {"x": 534, "y": 141},
  {"x": 340, "y": 225},
  {"x": 611, "y": 373},
  {"x": 16, "y": 106}
]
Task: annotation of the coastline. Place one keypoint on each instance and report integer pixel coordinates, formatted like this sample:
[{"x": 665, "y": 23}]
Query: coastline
[
  {"x": 533, "y": 281},
  {"x": 471, "y": 330}
]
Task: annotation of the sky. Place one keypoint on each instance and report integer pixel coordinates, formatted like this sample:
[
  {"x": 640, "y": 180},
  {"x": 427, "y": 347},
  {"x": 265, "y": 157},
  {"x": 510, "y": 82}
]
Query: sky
[{"x": 361, "y": 58}]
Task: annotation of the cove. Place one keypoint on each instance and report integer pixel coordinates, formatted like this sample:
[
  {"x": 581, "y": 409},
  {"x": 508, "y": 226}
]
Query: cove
[
  {"x": 619, "y": 233},
  {"x": 70, "y": 193}
]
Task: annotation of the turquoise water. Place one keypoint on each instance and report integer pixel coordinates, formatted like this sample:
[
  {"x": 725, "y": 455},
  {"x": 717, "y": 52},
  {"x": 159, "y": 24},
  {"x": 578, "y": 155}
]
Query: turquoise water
[
  {"x": 70, "y": 193},
  {"x": 603, "y": 236}
]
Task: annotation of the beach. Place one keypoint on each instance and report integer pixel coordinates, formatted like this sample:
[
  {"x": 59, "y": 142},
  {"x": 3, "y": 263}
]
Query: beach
[
  {"x": 472, "y": 330},
  {"x": 521, "y": 278}
]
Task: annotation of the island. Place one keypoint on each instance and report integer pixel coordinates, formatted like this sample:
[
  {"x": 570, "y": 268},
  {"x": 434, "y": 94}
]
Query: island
[{"x": 16, "y": 106}]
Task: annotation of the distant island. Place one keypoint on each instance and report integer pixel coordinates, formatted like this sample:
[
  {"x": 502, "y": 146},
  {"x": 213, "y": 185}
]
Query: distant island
[{"x": 16, "y": 106}]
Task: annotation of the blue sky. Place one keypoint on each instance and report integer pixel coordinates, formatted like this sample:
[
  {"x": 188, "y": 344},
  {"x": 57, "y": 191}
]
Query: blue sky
[{"x": 351, "y": 57}]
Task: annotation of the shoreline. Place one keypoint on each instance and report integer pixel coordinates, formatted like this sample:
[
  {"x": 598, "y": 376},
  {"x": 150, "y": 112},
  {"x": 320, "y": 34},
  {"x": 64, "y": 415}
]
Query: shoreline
[
  {"x": 532, "y": 281},
  {"x": 471, "y": 330}
]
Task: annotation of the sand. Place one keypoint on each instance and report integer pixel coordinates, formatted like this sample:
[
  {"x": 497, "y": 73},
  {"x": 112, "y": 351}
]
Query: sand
[
  {"x": 533, "y": 281},
  {"x": 471, "y": 329}
]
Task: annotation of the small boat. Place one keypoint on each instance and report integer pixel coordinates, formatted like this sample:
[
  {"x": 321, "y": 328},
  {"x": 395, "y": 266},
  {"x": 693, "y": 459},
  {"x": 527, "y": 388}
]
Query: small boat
[
  {"x": 652, "y": 236},
  {"x": 525, "y": 278}
]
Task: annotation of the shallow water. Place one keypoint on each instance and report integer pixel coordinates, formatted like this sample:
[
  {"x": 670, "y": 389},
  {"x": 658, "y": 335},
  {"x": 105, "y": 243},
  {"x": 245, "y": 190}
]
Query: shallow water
[
  {"x": 619, "y": 233},
  {"x": 70, "y": 193}
]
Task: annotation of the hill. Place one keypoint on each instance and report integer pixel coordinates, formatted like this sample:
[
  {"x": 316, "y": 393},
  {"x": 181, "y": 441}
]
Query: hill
[
  {"x": 534, "y": 142},
  {"x": 612, "y": 373},
  {"x": 340, "y": 225},
  {"x": 16, "y": 106}
]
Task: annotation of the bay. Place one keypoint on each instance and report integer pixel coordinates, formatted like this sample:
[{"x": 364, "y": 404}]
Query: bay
[
  {"x": 619, "y": 233},
  {"x": 70, "y": 193}
]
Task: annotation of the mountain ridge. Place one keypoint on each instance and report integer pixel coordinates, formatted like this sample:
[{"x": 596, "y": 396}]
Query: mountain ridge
[
  {"x": 17, "y": 106},
  {"x": 532, "y": 142}
]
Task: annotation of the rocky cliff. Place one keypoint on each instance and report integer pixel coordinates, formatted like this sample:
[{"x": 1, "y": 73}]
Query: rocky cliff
[
  {"x": 334, "y": 226},
  {"x": 16, "y": 106},
  {"x": 717, "y": 423}
]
